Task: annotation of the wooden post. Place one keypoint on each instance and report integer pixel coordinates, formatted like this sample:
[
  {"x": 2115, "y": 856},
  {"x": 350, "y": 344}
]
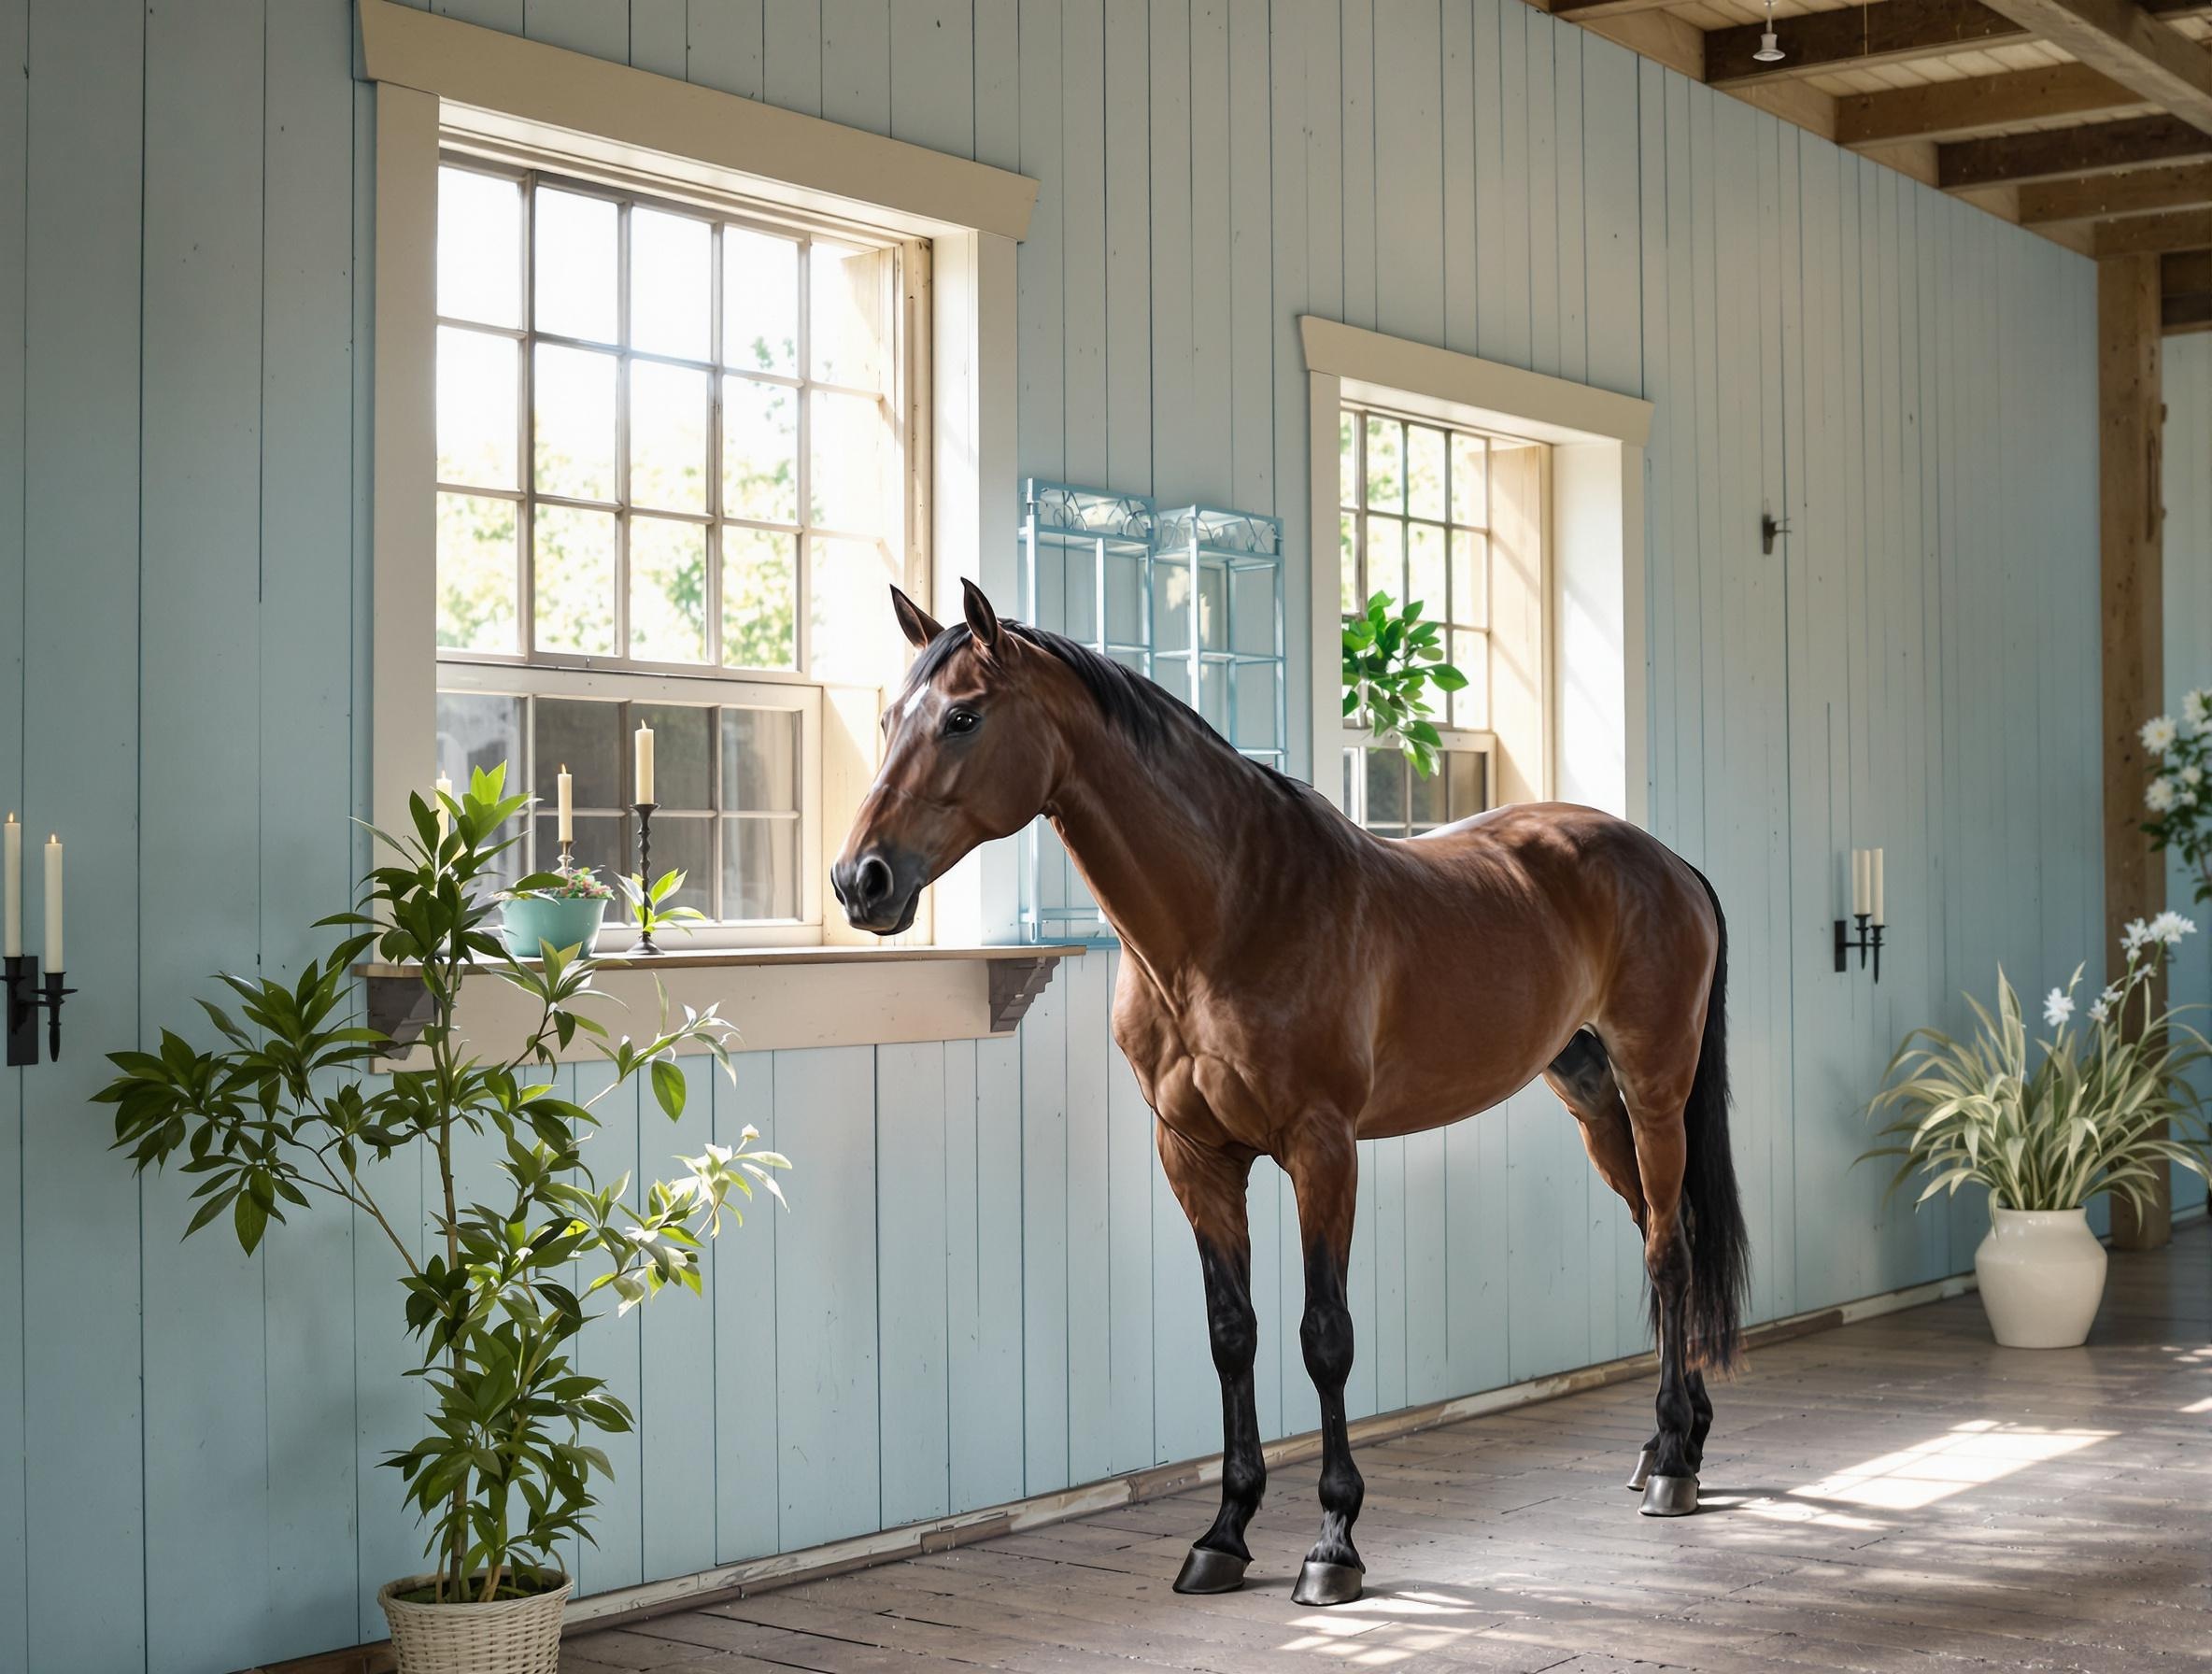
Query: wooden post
[{"x": 2130, "y": 426}]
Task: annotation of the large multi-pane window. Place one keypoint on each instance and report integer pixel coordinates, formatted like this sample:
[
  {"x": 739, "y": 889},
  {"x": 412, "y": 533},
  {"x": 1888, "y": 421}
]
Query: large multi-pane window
[
  {"x": 1414, "y": 522},
  {"x": 672, "y": 479}
]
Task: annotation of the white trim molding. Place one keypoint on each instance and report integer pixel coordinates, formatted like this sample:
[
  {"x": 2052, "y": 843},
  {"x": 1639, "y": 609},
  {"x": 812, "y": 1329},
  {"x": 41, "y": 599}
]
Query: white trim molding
[
  {"x": 1598, "y": 666},
  {"x": 822, "y": 165}
]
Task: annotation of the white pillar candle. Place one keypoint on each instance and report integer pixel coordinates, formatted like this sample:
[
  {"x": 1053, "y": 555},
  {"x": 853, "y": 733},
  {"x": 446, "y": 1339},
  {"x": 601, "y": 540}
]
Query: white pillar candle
[
  {"x": 444, "y": 789},
  {"x": 54, "y": 905},
  {"x": 12, "y": 888},
  {"x": 568, "y": 804},
  {"x": 1862, "y": 883},
  {"x": 645, "y": 762},
  {"x": 1878, "y": 908}
]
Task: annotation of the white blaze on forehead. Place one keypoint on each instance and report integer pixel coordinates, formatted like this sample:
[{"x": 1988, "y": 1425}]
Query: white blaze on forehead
[{"x": 911, "y": 706}]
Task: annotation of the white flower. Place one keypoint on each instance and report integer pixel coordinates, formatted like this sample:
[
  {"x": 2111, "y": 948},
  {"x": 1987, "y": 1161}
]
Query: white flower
[
  {"x": 2159, "y": 733},
  {"x": 2169, "y": 928},
  {"x": 2195, "y": 707},
  {"x": 2132, "y": 937},
  {"x": 2159, "y": 796},
  {"x": 2058, "y": 1006},
  {"x": 2193, "y": 775},
  {"x": 2101, "y": 1008}
]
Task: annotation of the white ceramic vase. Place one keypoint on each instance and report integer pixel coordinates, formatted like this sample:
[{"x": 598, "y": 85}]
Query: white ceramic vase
[{"x": 2042, "y": 1275}]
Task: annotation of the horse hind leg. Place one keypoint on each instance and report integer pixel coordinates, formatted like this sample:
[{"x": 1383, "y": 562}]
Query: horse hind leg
[
  {"x": 1674, "y": 1453},
  {"x": 1583, "y": 1076}
]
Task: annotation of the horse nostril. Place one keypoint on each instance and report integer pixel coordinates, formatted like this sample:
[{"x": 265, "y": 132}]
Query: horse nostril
[{"x": 872, "y": 880}]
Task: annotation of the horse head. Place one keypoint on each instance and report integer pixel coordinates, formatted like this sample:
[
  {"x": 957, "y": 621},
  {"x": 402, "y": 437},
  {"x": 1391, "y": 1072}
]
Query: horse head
[{"x": 970, "y": 753}]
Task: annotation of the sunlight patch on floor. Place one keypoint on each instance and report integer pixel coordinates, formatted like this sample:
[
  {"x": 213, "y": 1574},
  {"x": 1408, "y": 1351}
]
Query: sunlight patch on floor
[
  {"x": 1408, "y": 1627},
  {"x": 1965, "y": 1456}
]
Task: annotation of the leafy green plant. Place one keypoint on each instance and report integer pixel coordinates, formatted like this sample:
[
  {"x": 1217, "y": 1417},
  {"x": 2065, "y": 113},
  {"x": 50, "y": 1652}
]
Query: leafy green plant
[
  {"x": 2179, "y": 794},
  {"x": 286, "y": 1110},
  {"x": 1390, "y": 660},
  {"x": 649, "y": 903},
  {"x": 2049, "y": 1124}
]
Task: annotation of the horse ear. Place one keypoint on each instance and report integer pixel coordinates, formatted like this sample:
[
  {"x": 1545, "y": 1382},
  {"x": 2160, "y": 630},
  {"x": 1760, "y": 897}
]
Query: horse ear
[
  {"x": 983, "y": 621},
  {"x": 917, "y": 624}
]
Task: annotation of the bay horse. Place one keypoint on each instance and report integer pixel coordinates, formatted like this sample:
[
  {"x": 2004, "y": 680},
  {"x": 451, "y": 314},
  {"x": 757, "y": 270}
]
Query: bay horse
[{"x": 1291, "y": 984}]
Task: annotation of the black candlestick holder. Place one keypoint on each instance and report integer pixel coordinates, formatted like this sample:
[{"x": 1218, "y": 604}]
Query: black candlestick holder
[
  {"x": 644, "y": 946},
  {"x": 1867, "y": 942},
  {"x": 27, "y": 996}
]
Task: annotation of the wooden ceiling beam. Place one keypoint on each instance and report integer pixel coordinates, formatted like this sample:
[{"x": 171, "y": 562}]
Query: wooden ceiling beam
[
  {"x": 2143, "y": 53},
  {"x": 1583, "y": 11},
  {"x": 1822, "y": 41},
  {"x": 2099, "y": 147},
  {"x": 2155, "y": 235},
  {"x": 2187, "y": 273},
  {"x": 2099, "y": 197},
  {"x": 1942, "y": 110}
]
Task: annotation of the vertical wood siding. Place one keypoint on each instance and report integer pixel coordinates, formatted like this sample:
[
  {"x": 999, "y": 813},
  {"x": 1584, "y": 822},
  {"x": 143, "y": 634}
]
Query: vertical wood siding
[{"x": 985, "y": 1289}]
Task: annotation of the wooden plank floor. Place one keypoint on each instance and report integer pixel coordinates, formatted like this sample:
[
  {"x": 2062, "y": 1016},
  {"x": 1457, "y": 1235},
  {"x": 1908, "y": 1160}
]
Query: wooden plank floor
[{"x": 1896, "y": 1495}]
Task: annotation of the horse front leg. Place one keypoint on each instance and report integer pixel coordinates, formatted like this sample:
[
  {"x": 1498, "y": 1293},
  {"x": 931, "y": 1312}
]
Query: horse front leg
[
  {"x": 1210, "y": 1185},
  {"x": 1323, "y": 1168}
]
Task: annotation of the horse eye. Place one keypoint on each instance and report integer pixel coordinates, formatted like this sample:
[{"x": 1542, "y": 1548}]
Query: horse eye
[{"x": 962, "y": 721}]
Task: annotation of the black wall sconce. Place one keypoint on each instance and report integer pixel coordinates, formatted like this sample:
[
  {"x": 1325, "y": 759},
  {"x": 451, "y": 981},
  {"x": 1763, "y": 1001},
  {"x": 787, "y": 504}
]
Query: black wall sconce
[
  {"x": 1869, "y": 909},
  {"x": 28, "y": 993}
]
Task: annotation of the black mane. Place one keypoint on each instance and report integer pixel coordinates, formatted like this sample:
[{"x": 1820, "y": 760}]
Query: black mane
[{"x": 1146, "y": 713}]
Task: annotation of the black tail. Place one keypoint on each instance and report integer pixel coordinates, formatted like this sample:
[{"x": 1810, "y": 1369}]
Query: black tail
[{"x": 1720, "y": 1252}]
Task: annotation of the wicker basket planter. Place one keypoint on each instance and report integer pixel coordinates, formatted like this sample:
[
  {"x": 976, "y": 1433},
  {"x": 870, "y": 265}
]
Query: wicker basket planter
[{"x": 512, "y": 1636}]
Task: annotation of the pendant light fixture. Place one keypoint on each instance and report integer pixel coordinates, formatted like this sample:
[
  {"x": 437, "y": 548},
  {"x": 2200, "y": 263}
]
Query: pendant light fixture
[{"x": 1770, "y": 50}]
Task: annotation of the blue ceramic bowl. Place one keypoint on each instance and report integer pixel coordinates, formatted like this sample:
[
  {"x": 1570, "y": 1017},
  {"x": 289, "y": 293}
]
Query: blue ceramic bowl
[{"x": 571, "y": 923}]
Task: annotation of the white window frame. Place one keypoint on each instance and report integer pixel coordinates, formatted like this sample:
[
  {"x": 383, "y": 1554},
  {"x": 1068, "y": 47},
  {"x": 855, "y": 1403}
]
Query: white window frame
[
  {"x": 435, "y": 76},
  {"x": 1593, "y": 749}
]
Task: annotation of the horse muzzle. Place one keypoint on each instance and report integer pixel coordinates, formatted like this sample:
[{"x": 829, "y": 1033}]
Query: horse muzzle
[{"x": 880, "y": 889}]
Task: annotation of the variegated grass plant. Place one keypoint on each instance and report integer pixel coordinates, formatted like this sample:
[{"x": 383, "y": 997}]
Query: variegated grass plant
[{"x": 2097, "y": 1105}]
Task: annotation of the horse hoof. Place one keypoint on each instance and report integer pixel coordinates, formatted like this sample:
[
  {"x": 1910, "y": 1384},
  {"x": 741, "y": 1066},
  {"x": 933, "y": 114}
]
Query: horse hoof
[
  {"x": 1671, "y": 1497},
  {"x": 1642, "y": 1473},
  {"x": 1205, "y": 1571},
  {"x": 1321, "y": 1584}
]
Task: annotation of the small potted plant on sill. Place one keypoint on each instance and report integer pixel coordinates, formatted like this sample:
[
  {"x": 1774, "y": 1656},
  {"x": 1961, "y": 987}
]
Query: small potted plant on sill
[
  {"x": 1390, "y": 658},
  {"x": 2046, "y": 1124},
  {"x": 564, "y": 915},
  {"x": 285, "y": 1110}
]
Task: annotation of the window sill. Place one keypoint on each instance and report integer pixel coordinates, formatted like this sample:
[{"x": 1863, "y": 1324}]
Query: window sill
[{"x": 779, "y": 998}]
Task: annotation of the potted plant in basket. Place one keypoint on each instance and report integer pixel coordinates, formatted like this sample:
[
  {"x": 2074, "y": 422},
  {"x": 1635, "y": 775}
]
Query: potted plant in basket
[
  {"x": 285, "y": 1110},
  {"x": 2046, "y": 1125}
]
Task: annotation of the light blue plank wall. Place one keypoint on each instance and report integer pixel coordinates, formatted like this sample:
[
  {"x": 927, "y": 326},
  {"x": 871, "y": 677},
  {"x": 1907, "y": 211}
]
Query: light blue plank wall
[{"x": 985, "y": 1289}]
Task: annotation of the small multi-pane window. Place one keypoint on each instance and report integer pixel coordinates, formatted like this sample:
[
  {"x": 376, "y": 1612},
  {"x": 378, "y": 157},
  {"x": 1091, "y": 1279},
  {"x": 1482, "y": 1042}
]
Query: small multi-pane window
[
  {"x": 1384, "y": 794},
  {"x": 1414, "y": 522},
  {"x": 728, "y": 784},
  {"x": 670, "y": 449},
  {"x": 666, "y": 437}
]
